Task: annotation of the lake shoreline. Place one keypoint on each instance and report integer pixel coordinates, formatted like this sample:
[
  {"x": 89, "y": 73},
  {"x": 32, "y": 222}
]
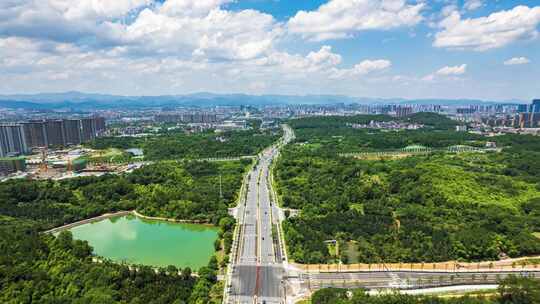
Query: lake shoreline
[
  {"x": 123, "y": 213},
  {"x": 88, "y": 221},
  {"x": 171, "y": 220}
]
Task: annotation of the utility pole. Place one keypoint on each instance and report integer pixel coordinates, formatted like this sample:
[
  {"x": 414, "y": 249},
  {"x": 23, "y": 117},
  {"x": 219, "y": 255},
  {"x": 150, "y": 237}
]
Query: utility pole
[{"x": 220, "y": 188}]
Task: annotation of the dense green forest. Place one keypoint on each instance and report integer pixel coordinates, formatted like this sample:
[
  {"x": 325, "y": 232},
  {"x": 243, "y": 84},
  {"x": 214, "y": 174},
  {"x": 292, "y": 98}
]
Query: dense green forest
[
  {"x": 439, "y": 207},
  {"x": 194, "y": 146},
  {"x": 512, "y": 290},
  {"x": 429, "y": 120},
  {"x": 333, "y": 135},
  {"x": 182, "y": 190},
  {"x": 37, "y": 268}
]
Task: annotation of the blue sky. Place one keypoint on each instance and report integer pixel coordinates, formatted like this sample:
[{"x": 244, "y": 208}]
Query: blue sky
[{"x": 486, "y": 49}]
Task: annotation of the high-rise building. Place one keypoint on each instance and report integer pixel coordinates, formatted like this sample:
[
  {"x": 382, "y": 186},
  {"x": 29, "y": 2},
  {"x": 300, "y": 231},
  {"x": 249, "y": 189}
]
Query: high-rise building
[
  {"x": 12, "y": 140},
  {"x": 466, "y": 111},
  {"x": 88, "y": 129},
  {"x": 535, "y": 107},
  {"x": 20, "y": 138},
  {"x": 168, "y": 118},
  {"x": 100, "y": 125},
  {"x": 188, "y": 118},
  {"x": 529, "y": 120},
  {"x": 209, "y": 118},
  {"x": 72, "y": 128},
  {"x": 523, "y": 108},
  {"x": 529, "y": 115},
  {"x": 403, "y": 111},
  {"x": 80, "y": 130},
  {"x": 55, "y": 133},
  {"x": 12, "y": 165},
  {"x": 34, "y": 133}
]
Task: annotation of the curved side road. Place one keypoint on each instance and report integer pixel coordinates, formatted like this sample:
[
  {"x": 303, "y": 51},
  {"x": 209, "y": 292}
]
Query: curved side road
[
  {"x": 88, "y": 221},
  {"x": 122, "y": 213}
]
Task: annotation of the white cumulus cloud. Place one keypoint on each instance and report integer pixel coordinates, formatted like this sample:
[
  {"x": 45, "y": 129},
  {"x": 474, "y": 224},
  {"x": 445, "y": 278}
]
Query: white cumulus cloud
[
  {"x": 324, "y": 56},
  {"x": 219, "y": 34},
  {"x": 190, "y": 7},
  {"x": 472, "y": 5},
  {"x": 362, "y": 68},
  {"x": 368, "y": 66},
  {"x": 181, "y": 27},
  {"x": 321, "y": 60},
  {"x": 96, "y": 9},
  {"x": 517, "y": 61},
  {"x": 447, "y": 72},
  {"x": 494, "y": 31},
  {"x": 151, "y": 47},
  {"x": 342, "y": 18},
  {"x": 452, "y": 70}
]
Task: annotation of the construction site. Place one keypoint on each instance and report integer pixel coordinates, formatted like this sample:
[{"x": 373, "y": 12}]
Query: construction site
[{"x": 47, "y": 163}]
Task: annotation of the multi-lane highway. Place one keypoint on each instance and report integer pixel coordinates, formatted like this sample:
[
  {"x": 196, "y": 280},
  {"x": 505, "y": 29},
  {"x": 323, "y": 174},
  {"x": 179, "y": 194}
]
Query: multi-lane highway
[{"x": 257, "y": 271}]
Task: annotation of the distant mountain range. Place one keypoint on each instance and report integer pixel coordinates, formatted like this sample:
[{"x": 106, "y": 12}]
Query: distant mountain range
[{"x": 84, "y": 101}]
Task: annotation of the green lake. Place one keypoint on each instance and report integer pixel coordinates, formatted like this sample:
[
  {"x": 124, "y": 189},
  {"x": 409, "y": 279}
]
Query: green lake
[{"x": 155, "y": 243}]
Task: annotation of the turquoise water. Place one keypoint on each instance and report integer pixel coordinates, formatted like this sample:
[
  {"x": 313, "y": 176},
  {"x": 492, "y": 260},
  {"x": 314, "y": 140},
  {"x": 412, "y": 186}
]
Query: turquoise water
[{"x": 155, "y": 243}]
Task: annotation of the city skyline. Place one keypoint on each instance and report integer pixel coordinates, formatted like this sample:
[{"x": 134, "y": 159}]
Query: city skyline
[{"x": 412, "y": 49}]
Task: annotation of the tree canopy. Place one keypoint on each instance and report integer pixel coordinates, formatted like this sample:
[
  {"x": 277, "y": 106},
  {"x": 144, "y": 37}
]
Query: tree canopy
[
  {"x": 38, "y": 268},
  {"x": 175, "y": 145},
  {"x": 437, "y": 207}
]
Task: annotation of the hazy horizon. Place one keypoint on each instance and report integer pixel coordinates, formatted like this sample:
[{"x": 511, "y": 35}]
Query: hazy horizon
[{"x": 203, "y": 94}]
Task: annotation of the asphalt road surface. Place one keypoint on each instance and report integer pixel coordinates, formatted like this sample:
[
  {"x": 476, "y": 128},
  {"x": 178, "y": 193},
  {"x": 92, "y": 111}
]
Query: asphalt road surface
[
  {"x": 267, "y": 245},
  {"x": 405, "y": 279},
  {"x": 257, "y": 276}
]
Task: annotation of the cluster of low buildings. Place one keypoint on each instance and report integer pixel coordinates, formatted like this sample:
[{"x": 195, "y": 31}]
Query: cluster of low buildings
[
  {"x": 202, "y": 121},
  {"x": 202, "y": 117},
  {"x": 387, "y": 125}
]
